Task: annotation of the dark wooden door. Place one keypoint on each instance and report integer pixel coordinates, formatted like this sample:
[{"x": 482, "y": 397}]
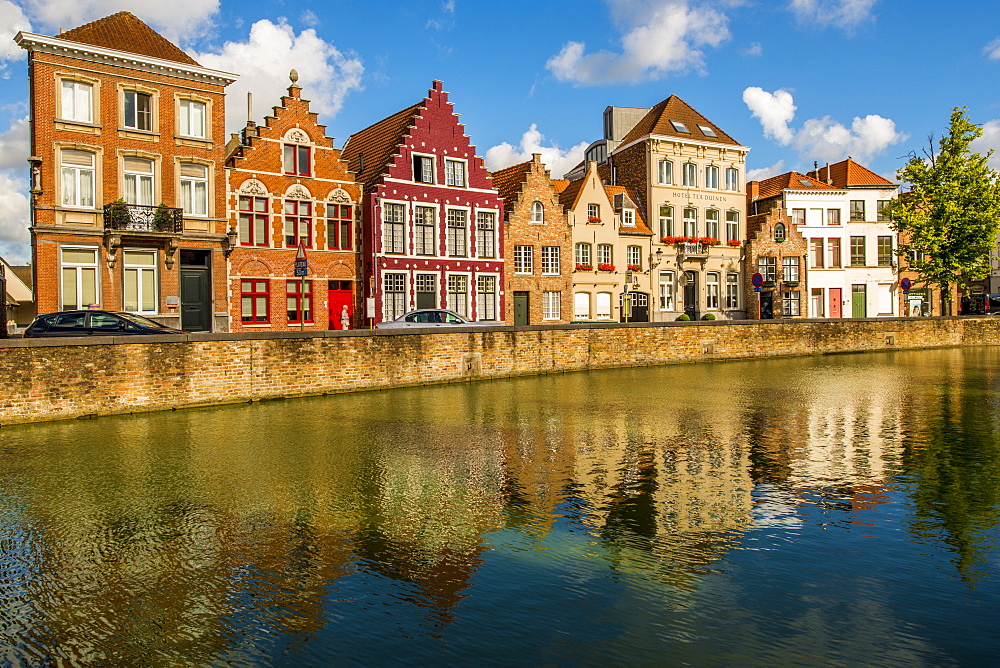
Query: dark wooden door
[
  {"x": 766, "y": 305},
  {"x": 196, "y": 303},
  {"x": 521, "y": 306},
  {"x": 691, "y": 295}
]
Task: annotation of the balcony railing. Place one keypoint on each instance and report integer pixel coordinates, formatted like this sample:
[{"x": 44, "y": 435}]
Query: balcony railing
[{"x": 139, "y": 218}]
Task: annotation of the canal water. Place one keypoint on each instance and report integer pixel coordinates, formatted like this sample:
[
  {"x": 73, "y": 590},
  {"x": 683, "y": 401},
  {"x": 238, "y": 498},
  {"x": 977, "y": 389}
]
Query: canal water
[{"x": 838, "y": 510}]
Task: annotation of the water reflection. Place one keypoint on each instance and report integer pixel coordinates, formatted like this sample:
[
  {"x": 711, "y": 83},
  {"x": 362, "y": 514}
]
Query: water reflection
[{"x": 347, "y": 528}]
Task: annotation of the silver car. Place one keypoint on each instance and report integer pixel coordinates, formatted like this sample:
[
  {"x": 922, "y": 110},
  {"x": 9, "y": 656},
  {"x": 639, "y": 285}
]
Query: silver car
[{"x": 434, "y": 317}]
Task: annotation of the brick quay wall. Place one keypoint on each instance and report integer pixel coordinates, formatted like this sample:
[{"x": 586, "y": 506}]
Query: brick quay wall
[{"x": 50, "y": 379}]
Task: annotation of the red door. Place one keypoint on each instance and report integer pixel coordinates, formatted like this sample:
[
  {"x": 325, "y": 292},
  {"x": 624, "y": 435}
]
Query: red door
[
  {"x": 835, "y": 302},
  {"x": 339, "y": 296}
]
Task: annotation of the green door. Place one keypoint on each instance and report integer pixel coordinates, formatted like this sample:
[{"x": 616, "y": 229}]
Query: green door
[
  {"x": 859, "y": 301},
  {"x": 521, "y": 308}
]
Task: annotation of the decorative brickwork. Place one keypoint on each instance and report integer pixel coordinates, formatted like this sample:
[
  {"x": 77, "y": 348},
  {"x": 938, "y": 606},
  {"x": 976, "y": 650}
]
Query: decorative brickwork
[
  {"x": 285, "y": 182},
  {"x": 534, "y": 218},
  {"x": 778, "y": 251}
]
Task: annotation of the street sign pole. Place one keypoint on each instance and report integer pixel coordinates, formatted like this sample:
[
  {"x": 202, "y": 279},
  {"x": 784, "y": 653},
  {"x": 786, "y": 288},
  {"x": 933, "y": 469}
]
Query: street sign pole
[{"x": 302, "y": 269}]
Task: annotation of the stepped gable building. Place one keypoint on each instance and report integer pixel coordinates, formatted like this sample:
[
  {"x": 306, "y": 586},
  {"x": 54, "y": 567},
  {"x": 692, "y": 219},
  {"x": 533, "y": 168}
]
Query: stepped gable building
[
  {"x": 776, "y": 248},
  {"x": 868, "y": 274},
  {"x": 612, "y": 256},
  {"x": 432, "y": 234},
  {"x": 128, "y": 206},
  {"x": 538, "y": 278},
  {"x": 687, "y": 176},
  {"x": 288, "y": 185}
]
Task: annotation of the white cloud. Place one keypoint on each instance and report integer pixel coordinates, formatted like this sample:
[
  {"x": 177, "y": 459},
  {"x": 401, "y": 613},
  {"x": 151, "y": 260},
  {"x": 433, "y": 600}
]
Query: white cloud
[
  {"x": 15, "y": 145},
  {"x": 557, "y": 160},
  {"x": 754, "y": 50},
  {"x": 310, "y": 19},
  {"x": 845, "y": 14},
  {"x": 264, "y": 60},
  {"x": 762, "y": 173},
  {"x": 14, "y": 240},
  {"x": 179, "y": 21},
  {"x": 775, "y": 111},
  {"x": 992, "y": 50},
  {"x": 660, "y": 37},
  {"x": 989, "y": 140},
  {"x": 14, "y": 20},
  {"x": 821, "y": 139}
]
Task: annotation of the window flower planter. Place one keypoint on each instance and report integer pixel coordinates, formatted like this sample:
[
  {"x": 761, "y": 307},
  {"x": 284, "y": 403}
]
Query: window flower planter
[
  {"x": 584, "y": 267},
  {"x": 635, "y": 267},
  {"x": 769, "y": 284},
  {"x": 708, "y": 241},
  {"x": 667, "y": 240},
  {"x": 734, "y": 242},
  {"x": 593, "y": 219},
  {"x": 791, "y": 284},
  {"x": 605, "y": 267}
]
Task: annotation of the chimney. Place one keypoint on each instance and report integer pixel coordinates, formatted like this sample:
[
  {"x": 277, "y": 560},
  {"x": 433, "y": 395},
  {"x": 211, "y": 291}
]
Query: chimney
[
  {"x": 829, "y": 181},
  {"x": 536, "y": 158},
  {"x": 753, "y": 190}
]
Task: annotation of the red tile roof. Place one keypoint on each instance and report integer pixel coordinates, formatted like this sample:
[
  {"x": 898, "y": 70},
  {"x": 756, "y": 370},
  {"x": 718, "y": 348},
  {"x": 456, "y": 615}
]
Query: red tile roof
[
  {"x": 571, "y": 193},
  {"x": 560, "y": 185},
  {"x": 125, "y": 32},
  {"x": 790, "y": 181},
  {"x": 369, "y": 151},
  {"x": 849, "y": 174},
  {"x": 657, "y": 122},
  {"x": 508, "y": 181},
  {"x": 640, "y": 223}
]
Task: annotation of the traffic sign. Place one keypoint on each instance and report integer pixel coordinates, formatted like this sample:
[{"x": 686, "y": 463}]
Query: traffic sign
[
  {"x": 756, "y": 289},
  {"x": 757, "y": 280},
  {"x": 905, "y": 284},
  {"x": 301, "y": 261}
]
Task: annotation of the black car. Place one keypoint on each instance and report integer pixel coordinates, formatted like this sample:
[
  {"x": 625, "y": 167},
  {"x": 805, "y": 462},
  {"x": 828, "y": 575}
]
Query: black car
[{"x": 94, "y": 323}]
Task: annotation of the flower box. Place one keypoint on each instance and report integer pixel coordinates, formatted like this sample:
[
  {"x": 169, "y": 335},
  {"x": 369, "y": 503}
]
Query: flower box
[
  {"x": 584, "y": 267},
  {"x": 768, "y": 284},
  {"x": 734, "y": 242},
  {"x": 708, "y": 241},
  {"x": 635, "y": 267},
  {"x": 667, "y": 240},
  {"x": 593, "y": 219},
  {"x": 791, "y": 284},
  {"x": 605, "y": 267}
]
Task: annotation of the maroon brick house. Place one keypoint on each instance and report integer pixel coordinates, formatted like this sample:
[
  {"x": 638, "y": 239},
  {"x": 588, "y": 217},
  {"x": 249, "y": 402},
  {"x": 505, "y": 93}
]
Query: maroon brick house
[{"x": 432, "y": 230}]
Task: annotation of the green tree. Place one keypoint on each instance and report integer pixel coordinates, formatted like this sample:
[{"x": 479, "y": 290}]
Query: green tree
[{"x": 950, "y": 221}]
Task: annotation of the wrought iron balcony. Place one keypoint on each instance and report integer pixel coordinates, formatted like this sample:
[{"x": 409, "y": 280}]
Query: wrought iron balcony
[{"x": 139, "y": 218}]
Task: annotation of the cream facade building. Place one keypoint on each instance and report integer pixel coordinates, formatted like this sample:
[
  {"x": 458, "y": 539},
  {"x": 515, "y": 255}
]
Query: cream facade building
[{"x": 687, "y": 177}]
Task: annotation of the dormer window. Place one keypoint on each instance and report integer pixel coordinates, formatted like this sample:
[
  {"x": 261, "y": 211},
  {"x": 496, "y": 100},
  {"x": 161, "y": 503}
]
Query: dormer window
[
  {"x": 680, "y": 127},
  {"x": 423, "y": 169},
  {"x": 707, "y": 131},
  {"x": 779, "y": 232},
  {"x": 628, "y": 218}
]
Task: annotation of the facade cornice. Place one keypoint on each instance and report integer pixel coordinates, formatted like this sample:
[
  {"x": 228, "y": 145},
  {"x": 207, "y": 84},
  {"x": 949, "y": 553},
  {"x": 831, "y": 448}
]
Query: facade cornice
[{"x": 97, "y": 54}]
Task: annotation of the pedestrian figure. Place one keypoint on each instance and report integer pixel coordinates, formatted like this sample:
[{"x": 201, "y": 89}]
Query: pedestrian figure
[{"x": 345, "y": 319}]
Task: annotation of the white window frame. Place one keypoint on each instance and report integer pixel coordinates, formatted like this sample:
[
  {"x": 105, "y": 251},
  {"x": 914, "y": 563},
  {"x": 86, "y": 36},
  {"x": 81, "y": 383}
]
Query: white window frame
[
  {"x": 486, "y": 297},
  {"x": 633, "y": 256},
  {"x": 712, "y": 177},
  {"x": 134, "y": 123},
  {"x": 712, "y": 290},
  {"x": 690, "y": 175},
  {"x": 732, "y": 179},
  {"x": 458, "y": 299},
  {"x": 605, "y": 254},
  {"x": 390, "y": 226},
  {"x": 628, "y": 217},
  {"x": 457, "y": 233},
  {"x": 74, "y": 174},
  {"x": 76, "y": 99},
  {"x": 603, "y": 309},
  {"x": 583, "y": 253},
  {"x": 733, "y": 226},
  {"x": 666, "y": 220},
  {"x": 194, "y": 200},
  {"x": 136, "y": 272},
  {"x": 732, "y": 290},
  {"x": 581, "y": 306},
  {"x": 665, "y": 172},
  {"x": 666, "y": 291},
  {"x": 551, "y": 305},
  {"x": 421, "y": 228},
  {"x": 137, "y": 179},
  {"x": 394, "y": 302},
  {"x": 188, "y": 123},
  {"x": 78, "y": 269},
  {"x": 551, "y": 260},
  {"x": 486, "y": 234},
  {"x": 537, "y": 213},
  {"x": 456, "y": 173},
  {"x": 428, "y": 177},
  {"x": 690, "y": 222},
  {"x": 712, "y": 223},
  {"x": 523, "y": 260}
]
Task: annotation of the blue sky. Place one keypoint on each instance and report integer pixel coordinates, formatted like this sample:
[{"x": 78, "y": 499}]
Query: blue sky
[{"x": 797, "y": 80}]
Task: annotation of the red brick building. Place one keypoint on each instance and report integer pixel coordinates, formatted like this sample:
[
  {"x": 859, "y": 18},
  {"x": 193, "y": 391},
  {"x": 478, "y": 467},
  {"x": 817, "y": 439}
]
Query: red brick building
[
  {"x": 286, "y": 184},
  {"x": 538, "y": 245},
  {"x": 432, "y": 233},
  {"x": 128, "y": 193}
]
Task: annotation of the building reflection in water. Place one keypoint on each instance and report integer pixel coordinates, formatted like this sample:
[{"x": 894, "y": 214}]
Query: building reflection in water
[{"x": 202, "y": 535}]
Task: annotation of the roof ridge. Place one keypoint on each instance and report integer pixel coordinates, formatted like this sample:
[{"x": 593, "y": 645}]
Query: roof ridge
[{"x": 125, "y": 28}]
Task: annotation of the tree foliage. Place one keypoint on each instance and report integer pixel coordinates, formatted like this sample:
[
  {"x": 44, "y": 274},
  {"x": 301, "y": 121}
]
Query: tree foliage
[{"x": 949, "y": 223}]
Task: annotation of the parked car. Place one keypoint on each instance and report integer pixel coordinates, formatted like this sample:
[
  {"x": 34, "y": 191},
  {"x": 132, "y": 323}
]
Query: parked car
[
  {"x": 434, "y": 317},
  {"x": 94, "y": 323}
]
